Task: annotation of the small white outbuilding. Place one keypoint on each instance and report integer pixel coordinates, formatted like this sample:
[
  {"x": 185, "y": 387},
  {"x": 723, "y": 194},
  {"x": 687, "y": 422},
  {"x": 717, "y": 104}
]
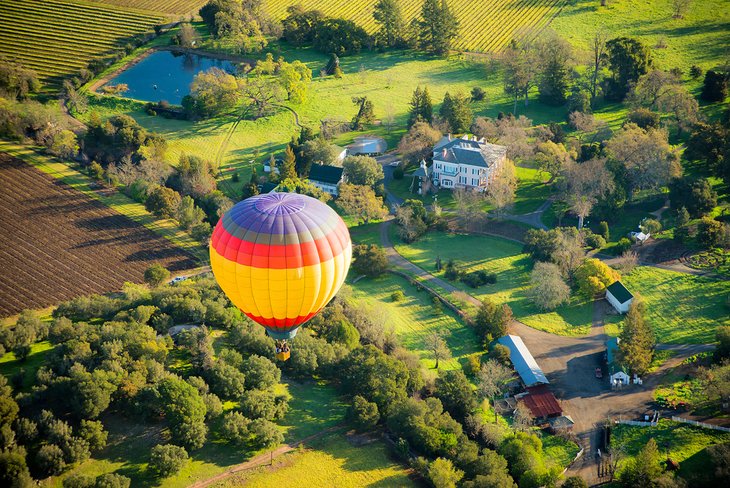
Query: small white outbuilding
[{"x": 619, "y": 297}]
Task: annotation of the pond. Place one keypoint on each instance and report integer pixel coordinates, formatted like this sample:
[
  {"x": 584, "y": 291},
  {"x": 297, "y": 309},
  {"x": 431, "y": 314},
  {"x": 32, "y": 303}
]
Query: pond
[{"x": 166, "y": 75}]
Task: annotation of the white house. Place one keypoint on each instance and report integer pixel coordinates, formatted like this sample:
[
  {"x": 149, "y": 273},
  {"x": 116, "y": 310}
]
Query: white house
[
  {"x": 619, "y": 297},
  {"x": 326, "y": 178},
  {"x": 617, "y": 374},
  {"x": 466, "y": 162}
]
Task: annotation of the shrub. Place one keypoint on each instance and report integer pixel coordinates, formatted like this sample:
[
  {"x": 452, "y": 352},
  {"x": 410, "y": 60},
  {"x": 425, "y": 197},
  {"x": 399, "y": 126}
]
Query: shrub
[
  {"x": 710, "y": 232},
  {"x": 695, "y": 72},
  {"x": 478, "y": 278},
  {"x": 398, "y": 173},
  {"x": 593, "y": 276},
  {"x": 478, "y": 94},
  {"x": 452, "y": 271},
  {"x": 644, "y": 118},
  {"x": 363, "y": 414},
  {"x": 168, "y": 459},
  {"x": 623, "y": 245},
  {"x": 156, "y": 275},
  {"x": 651, "y": 226},
  {"x": 397, "y": 296},
  {"x": 603, "y": 230},
  {"x": 595, "y": 241}
]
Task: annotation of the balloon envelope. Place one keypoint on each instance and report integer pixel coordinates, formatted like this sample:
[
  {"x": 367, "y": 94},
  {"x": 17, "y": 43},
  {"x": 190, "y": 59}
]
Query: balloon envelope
[{"x": 280, "y": 258}]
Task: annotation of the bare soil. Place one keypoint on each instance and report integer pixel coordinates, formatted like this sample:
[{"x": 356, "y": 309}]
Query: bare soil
[{"x": 57, "y": 243}]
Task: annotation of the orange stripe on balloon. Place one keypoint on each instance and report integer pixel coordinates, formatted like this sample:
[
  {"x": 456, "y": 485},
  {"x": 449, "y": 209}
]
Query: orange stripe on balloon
[
  {"x": 281, "y": 324},
  {"x": 260, "y": 255}
]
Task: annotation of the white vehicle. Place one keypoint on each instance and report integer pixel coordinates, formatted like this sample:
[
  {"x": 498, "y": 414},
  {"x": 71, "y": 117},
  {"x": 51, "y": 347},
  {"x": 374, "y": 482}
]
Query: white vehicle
[
  {"x": 394, "y": 163},
  {"x": 178, "y": 279}
]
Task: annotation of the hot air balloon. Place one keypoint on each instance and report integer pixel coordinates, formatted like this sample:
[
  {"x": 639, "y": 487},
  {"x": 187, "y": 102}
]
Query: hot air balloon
[{"x": 280, "y": 258}]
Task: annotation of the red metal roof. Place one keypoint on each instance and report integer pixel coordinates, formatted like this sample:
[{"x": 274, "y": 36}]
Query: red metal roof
[{"x": 542, "y": 403}]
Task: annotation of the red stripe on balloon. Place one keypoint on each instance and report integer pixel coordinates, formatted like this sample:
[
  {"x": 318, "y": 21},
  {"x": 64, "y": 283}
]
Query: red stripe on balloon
[
  {"x": 287, "y": 256},
  {"x": 281, "y": 324}
]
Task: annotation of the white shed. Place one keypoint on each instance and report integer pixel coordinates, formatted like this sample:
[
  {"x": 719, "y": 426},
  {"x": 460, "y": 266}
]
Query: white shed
[{"x": 619, "y": 297}]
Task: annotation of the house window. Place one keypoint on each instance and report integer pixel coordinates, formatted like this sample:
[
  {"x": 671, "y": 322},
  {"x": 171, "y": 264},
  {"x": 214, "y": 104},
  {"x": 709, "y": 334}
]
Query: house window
[{"x": 474, "y": 181}]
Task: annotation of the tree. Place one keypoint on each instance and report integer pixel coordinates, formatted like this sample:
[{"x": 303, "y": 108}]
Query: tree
[
  {"x": 421, "y": 107},
  {"x": 262, "y": 93},
  {"x": 388, "y": 16},
  {"x": 251, "y": 189},
  {"x": 418, "y": 143},
  {"x": 521, "y": 69},
  {"x": 287, "y": 170},
  {"x": 522, "y": 418},
  {"x": 593, "y": 276},
  {"x": 339, "y": 36},
  {"x": 369, "y": 260},
  {"x": 363, "y": 414},
  {"x": 583, "y": 184},
  {"x": 491, "y": 471},
  {"x": 167, "y": 459},
  {"x": 265, "y": 433},
  {"x": 680, "y": 7},
  {"x": 722, "y": 336},
  {"x": 549, "y": 289},
  {"x": 646, "y": 156},
  {"x": 213, "y": 92},
  {"x": 64, "y": 144},
  {"x": 17, "y": 81},
  {"x": 551, "y": 158},
  {"x": 599, "y": 58},
  {"x": 163, "y": 202},
  {"x": 456, "y": 111},
  {"x": 710, "y": 232},
  {"x": 112, "y": 480},
  {"x": 574, "y": 482},
  {"x": 443, "y": 474},
  {"x": 455, "y": 392},
  {"x": 636, "y": 345},
  {"x": 681, "y": 225},
  {"x": 492, "y": 320},
  {"x": 361, "y": 202},
  {"x": 696, "y": 196},
  {"x": 643, "y": 470},
  {"x": 554, "y": 80},
  {"x": 435, "y": 343},
  {"x": 92, "y": 431},
  {"x": 628, "y": 59},
  {"x": 184, "y": 411},
  {"x": 364, "y": 114},
  {"x": 715, "y": 86},
  {"x": 13, "y": 469},
  {"x": 188, "y": 36},
  {"x": 156, "y": 275},
  {"x": 438, "y": 27},
  {"x": 501, "y": 190},
  {"x": 362, "y": 170},
  {"x": 234, "y": 428},
  {"x": 49, "y": 459},
  {"x": 299, "y": 25},
  {"x": 493, "y": 380},
  {"x": 188, "y": 214},
  {"x": 261, "y": 373}
]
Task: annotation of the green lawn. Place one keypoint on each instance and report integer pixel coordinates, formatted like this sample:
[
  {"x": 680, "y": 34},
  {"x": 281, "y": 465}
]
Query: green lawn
[
  {"x": 333, "y": 460},
  {"x": 558, "y": 451},
  {"x": 414, "y": 317},
  {"x": 365, "y": 234},
  {"x": 167, "y": 228},
  {"x": 686, "y": 444},
  {"x": 681, "y": 308},
  {"x": 312, "y": 408},
  {"x": 512, "y": 267},
  {"x": 9, "y": 365}
]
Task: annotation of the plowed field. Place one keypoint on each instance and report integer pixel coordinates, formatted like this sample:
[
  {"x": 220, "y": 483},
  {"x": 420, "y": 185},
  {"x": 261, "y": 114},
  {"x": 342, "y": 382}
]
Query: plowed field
[{"x": 57, "y": 243}]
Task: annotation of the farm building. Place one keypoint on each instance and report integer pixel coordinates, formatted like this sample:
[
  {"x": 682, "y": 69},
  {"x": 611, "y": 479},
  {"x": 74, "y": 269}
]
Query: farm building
[
  {"x": 326, "y": 178},
  {"x": 542, "y": 403},
  {"x": 369, "y": 146},
  {"x": 466, "y": 162},
  {"x": 619, "y": 297},
  {"x": 617, "y": 374},
  {"x": 421, "y": 180},
  {"x": 268, "y": 187},
  {"x": 525, "y": 365}
]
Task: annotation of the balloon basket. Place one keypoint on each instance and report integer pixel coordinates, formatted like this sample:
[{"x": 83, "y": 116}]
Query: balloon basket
[{"x": 283, "y": 355}]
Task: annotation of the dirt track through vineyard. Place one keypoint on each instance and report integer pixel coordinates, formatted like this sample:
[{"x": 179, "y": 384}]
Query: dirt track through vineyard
[{"x": 57, "y": 243}]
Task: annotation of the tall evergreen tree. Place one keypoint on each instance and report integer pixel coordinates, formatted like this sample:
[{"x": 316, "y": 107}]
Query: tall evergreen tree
[
  {"x": 288, "y": 167},
  {"x": 628, "y": 59},
  {"x": 457, "y": 112},
  {"x": 251, "y": 188},
  {"x": 421, "y": 107},
  {"x": 555, "y": 76},
  {"x": 636, "y": 347},
  {"x": 438, "y": 27},
  {"x": 447, "y": 108},
  {"x": 388, "y": 15},
  {"x": 426, "y": 106}
]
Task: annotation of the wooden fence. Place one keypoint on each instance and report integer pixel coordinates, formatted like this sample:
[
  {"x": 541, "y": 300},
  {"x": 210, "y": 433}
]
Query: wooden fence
[{"x": 700, "y": 424}]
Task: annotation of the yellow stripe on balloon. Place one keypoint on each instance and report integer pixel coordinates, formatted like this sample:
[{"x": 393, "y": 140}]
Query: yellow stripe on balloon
[{"x": 280, "y": 293}]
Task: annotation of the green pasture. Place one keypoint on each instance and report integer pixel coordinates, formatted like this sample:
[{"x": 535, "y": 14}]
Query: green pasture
[
  {"x": 413, "y": 318},
  {"x": 683, "y": 443},
  {"x": 10, "y": 365},
  {"x": 512, "y": 267},
  {"x": 336, "y": 459},
  {"x": 115, "y": 200},
  {"x": 313, "y": 407},
  {"x": 681, "y": 308}
]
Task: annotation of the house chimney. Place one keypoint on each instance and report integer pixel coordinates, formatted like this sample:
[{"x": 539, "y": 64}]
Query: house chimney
[{"x": 443, "y": 152}]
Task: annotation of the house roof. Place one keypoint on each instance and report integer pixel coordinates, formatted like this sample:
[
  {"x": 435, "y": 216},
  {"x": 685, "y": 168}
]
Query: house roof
[
  {"x": 523, "y": 361},
  {"x": 420, "y": 172},
  {"x": 325, "y": 174},
  {"x": 469, "y": 152},
  {"x": 541, "y": 402},
  {"x": 619, "y": 292},
  {"x": 268, "y": 187},
  {"x": 561, "y": 422}
]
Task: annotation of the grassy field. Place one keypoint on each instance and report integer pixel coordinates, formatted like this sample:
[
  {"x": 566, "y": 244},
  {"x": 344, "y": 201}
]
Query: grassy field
[
  {"x": 9, "y": 364},
  {"x": 512, "y": 267},
  {"x": 685, "y": 444},
  {"x": 681, "y": 308},
  {"x": 46, "y": 36},
  {"x": 333, "y": 460},
  {"x": 486, "y": 25},
  {"x": 312, "y": 408},
  {"x": 701, "y": 37},
  {"x": 115, "y": 200},
  {"x": 414, "y": 317},
  {"x": 159, "y": 6}
]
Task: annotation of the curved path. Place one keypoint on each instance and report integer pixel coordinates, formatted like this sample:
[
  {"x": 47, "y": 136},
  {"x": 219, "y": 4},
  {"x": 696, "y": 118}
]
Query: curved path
[{"x": 262, "y": 459}]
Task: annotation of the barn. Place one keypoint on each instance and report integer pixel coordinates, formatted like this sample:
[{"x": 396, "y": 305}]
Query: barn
[
  {"x": 619, "y": 297},
  {"x": 525, "y": 365}
]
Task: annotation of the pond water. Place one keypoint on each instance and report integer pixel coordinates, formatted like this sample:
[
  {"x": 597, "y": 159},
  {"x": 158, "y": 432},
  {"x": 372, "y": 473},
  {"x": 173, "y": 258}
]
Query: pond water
[{"x": 165, "y": 75}]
